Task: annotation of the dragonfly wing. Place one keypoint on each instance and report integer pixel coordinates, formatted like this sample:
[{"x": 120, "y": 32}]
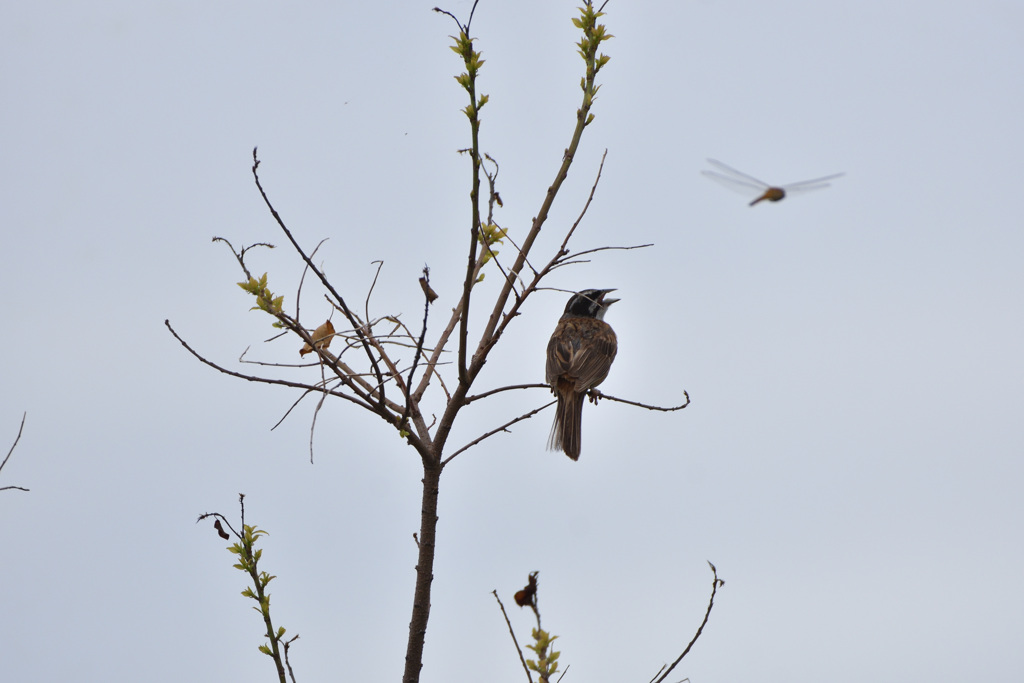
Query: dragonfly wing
[
  {"x": 800, "y": 189},
  {"x": 730, "y": 171},
  {"x": 735, "y": 184},
  {"x": 815, "y": 184}
]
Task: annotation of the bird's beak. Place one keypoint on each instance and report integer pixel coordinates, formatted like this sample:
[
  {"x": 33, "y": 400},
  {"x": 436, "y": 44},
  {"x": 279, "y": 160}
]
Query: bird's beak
[{"x": 607, "y": 302}]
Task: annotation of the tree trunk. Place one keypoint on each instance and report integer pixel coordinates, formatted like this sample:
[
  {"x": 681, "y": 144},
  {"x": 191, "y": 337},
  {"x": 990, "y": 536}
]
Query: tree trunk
[{"x": 424, "y": 572}]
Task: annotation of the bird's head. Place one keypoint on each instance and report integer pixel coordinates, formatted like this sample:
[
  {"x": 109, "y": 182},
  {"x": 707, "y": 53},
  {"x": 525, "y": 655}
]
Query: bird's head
[{"x": 589, "y": 303}]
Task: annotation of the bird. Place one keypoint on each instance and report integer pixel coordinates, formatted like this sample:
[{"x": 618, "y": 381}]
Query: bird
[
  {"x": 751, "y": 186},
  {"x": 580, "y": 354}
]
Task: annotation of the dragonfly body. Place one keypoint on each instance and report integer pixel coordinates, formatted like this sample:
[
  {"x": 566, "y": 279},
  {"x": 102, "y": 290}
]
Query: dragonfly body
[{"x": 772, "y": 194}]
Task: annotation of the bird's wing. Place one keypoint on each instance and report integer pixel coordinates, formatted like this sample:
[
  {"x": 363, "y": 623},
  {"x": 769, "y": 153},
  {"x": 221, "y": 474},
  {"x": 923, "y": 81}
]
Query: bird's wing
[
  {"x": 560, "y": 354},
  {"x": 592, "y": 366},
  {"x": 587, "y": 362}
]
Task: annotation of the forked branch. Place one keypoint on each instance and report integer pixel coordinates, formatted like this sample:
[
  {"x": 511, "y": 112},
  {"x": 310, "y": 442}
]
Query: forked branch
[
  {"x": 389, "y": 412},
  {"x": 340, "y": 301}
]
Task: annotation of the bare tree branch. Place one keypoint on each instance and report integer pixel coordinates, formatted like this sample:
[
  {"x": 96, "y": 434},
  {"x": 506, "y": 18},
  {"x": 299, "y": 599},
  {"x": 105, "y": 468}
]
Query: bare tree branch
[
  {"x": 597, "y": 249},
  {"x": 302, "y": 279},
  {"x": 512, "y": 633},
  {"x": 373, "y": 285},
  {"x": 222, "y": 518},
  {"x": 293, "y": 406},
  {"x": 465, "y": 28},
  {"x": 502, "y": 428},
  {"x": 526, "y": 262},
  {"x": 410, "y": 404},
  {"x": 586, "y": 205},
  {"x": 240, "y": 255},
  {"x": 511, "y": 387},
  {"x": 374, "y": 408},
  {"x": 287, "y": 663},
  {"x": 359, "y": 387},
  {"x": 11, "y": 450},
  {"x": 323, "y": 278},
  {"x": 441, "y": 343},
  {"x": 595, "y": 394},
  {"x": 715, "y": 584},
  {"x": 496, "y": 329},
  {"x": 312, "y": 423}
]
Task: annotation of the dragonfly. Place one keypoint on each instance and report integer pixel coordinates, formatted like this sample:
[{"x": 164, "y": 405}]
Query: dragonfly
[{"x": 751, "y": 186}]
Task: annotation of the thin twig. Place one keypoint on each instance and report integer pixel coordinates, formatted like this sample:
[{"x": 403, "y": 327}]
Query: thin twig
[
  {"x": 435, "y": 351},
  {"x": 491, "y": 178},
  {"x": 526, "y": 262},
  {"x": 292, "y": 407},
  {"x": 240, "y": 255},
  {"x": 369, "y": 293},
  {"x": 323, "y": 278},
  {"x": 471, "y": 13},
  {"x": 365, "y": 335},
  {"x": 464, "y": 29},
  {"x": 495, "y": 328},
  {"x": 574, "y": 259},
  {"x": 323, "y": 397},
  {"x": 221, "y": 518},
  {"x": 494, "y": 257},
  {"x": 302, "y": 279},
  {"x": 711, "y": 603},
  {"x": 444, "y": 11},
  {"x": 8, "y": 456},
  {"x": 597, "y": 249},
  {"x": 477, "y": 397},
  {"x": 352, "y": 380},
  {"x": 658, "y": 674},
  {"x": 595, "y": 394},
  {"x": 502, "y": 428},
  {"x": 312, "y": 424},
  {"x": 590, "y": 198},
  {"x": 288, "y": 644},
  {"x": 493, "y": 195},
  {"x": 409, "y": 401},
  {"x": 512, "y": 633},
  {"x": 264, "y": 380}
]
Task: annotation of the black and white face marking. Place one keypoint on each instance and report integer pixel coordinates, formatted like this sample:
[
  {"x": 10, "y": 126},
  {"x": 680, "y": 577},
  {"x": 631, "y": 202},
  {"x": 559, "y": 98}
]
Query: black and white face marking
[{"x": 589, "y": 303}]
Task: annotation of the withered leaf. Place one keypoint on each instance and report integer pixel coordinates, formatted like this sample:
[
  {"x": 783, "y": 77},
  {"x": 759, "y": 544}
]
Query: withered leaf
[
  {"x": 322, "y": 337},
  {"x": 428, "y": 290},
  {"x": 528, "y": 595}
]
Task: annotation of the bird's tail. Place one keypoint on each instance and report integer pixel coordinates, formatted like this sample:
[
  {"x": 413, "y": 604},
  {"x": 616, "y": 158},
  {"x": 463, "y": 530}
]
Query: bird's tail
[{"x": 567, "y": 430}]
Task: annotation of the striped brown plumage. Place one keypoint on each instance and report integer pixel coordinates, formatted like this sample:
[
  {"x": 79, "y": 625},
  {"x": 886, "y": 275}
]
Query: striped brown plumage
[{"x": 579, "y": 356}]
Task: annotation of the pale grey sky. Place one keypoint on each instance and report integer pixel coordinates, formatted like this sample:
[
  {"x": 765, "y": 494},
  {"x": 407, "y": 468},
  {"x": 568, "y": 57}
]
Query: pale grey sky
[{"x": 851, "y": 461}]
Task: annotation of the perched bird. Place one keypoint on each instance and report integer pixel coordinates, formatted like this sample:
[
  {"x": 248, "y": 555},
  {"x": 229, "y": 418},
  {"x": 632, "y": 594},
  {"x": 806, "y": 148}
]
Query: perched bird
[
  {"x": 751, "y": 186},
  {"x": 580, "y": 354}
]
